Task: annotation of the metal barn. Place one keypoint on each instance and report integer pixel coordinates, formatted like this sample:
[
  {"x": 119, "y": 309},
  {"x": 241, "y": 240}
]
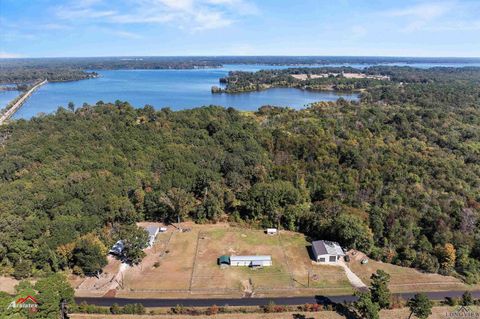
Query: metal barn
[{"x": 251, "y": 261}]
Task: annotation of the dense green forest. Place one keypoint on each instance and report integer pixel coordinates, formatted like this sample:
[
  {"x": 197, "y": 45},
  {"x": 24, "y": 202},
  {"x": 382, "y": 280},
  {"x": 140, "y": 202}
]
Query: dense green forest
[
  {"x": 396, "y": 175},
  {"x": 30, "y": 75},
  {"x": 334, "y": 79}
]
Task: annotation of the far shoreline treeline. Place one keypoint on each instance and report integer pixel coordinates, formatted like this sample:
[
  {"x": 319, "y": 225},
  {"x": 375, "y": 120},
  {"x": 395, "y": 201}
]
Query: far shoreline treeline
[{"x": 66, "y": 69}]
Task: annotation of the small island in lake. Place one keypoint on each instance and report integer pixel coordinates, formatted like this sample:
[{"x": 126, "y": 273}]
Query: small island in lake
[{"x": 344, "y": 79}]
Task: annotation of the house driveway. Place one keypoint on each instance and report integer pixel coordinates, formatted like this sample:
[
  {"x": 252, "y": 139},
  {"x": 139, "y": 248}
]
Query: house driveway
[{"x": 355, "y": 281}]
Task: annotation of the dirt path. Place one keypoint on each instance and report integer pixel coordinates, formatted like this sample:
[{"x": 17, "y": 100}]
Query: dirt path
[{"x": 355, "y": 281}]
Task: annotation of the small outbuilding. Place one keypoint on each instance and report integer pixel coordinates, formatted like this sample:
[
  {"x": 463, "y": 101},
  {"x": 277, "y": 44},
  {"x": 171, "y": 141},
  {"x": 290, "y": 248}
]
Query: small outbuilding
[
  {"x": 251, "y": 261},
  {"x": 327, "y": 251},
  {"x": 224, "y": 261},
  {"x": 117, "y": 249},
  {"x": 272, "y": 231},
  {"x": 152, "y": 234}
]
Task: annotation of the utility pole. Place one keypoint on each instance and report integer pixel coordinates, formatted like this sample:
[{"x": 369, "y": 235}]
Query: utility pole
[{"x": 63, "y": 310}]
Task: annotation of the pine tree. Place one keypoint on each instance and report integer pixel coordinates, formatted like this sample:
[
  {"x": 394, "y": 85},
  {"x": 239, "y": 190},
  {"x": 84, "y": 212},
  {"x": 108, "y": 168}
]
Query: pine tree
[
  {"x": 379, "y": 288},
  {"x": 420, "y": 306}
]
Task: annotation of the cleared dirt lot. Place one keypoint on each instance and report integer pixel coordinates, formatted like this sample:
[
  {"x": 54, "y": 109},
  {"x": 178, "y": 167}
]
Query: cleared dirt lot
[
  {"x": 8, "y": 284},
  {"x": 186, "y": 263},
  {"x": 214, "y": 243},
  {"x": 174, "y": 254},
  {"x": 290, "y": 270}
]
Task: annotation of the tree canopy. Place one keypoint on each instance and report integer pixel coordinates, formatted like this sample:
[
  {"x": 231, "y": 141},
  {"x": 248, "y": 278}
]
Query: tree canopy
[{"x": 396, "y": 175}]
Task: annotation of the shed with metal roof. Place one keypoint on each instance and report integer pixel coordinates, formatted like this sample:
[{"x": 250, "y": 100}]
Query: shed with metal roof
[
  {"x": 251, "y": 261},
  {"x": 224, "y": 260}
]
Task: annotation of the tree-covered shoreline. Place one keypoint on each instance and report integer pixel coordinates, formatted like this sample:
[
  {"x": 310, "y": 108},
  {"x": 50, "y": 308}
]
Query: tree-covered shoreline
[
  {"x": 27, "y": 76},
  {"x": 331, "y": 79},
  {"x": 343, "y": 79}
]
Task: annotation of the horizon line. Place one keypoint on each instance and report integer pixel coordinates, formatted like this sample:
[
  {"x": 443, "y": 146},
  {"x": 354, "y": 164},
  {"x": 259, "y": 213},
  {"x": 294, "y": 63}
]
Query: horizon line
[{"x": 244, "y": 56}]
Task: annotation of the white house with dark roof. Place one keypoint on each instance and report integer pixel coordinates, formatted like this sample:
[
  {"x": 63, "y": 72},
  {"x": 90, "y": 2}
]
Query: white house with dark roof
[{"x": 327, "y": 251}]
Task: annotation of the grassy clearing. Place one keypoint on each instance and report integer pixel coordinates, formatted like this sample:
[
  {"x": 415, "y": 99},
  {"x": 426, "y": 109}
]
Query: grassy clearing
[
  {"x": 296, "y": 249},
  {"x": 291, "y": 263},
  {"x": 176, "y": 256},
  {"x": 174, "y": 264},
  {"x": 167, "y": 270},
  {"x": 405, "y": 279},
  {"x": 232, "y": 241}
]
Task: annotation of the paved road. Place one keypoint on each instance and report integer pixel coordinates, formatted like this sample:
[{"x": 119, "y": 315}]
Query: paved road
[
  {"x": 434, "y": 295},
  {"x": 20, "y": 102}
]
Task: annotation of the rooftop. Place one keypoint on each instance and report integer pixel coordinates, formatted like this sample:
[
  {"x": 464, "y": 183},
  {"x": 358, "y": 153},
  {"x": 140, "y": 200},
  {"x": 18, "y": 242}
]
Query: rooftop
[
  {"x": 152, "y": 230},
  {"x": 325, "y": 247},
  {"x": 250, "y": 258}
]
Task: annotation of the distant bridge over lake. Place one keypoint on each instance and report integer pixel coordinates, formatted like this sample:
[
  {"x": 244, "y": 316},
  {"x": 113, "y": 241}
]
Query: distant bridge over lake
[{"x": 4, "y": 117}]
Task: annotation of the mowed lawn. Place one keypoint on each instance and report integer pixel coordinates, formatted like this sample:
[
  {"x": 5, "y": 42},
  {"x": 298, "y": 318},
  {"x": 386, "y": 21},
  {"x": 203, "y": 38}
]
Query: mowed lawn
[
  {"x": 325, "y": 277},
  {"x": 405, "y": 279},
  {"x": 291, "y": 262}
]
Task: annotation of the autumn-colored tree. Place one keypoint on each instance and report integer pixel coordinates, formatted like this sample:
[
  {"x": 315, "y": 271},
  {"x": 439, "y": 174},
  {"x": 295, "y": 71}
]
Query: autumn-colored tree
[
  {"x": 89, "y": 254},
  {"x": 448, "y": 256}
]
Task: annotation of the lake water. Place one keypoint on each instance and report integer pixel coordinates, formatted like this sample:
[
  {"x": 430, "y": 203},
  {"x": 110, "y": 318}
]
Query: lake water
[
  {"x": 6, "y": 97},
  {"x": 177, "y": 89}
]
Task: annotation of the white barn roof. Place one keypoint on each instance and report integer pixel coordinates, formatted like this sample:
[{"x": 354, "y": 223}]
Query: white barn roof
[{"x": 250, "y": 258}]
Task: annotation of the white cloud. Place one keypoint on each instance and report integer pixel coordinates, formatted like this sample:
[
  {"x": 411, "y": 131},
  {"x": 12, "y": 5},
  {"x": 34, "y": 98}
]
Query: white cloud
[
  {"x": 193, "y": 15},
  {"x": 420, "y": 15},
  {"x": 6, "y": 55},
  {"x": 68, "y": 13},
  {"x": 240, "y": 6}
]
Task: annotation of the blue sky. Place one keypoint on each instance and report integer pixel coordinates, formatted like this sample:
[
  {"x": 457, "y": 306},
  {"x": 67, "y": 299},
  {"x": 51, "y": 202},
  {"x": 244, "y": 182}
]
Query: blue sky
[{"x": 52, "y": 28}]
